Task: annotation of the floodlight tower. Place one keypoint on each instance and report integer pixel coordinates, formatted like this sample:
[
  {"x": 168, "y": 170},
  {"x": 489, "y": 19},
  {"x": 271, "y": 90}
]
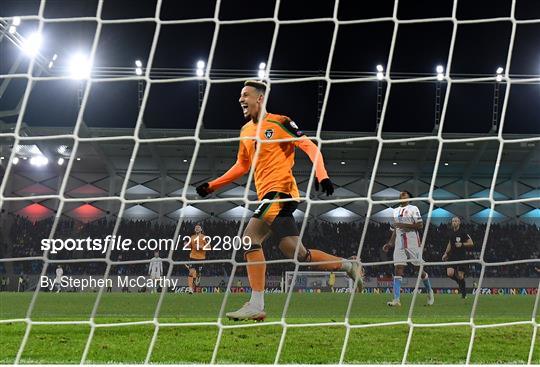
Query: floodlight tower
[
  {"x": 140, "y": 82},
  {"x": 380, "y": 77},
  {"x": 80, "y": 69},
  {"x": 262, "y": 73},
  {"x": 320, "y": 95},
  {"x": 15, "y": 22},
  {"x": 138, "y": 67},
  {"x": 438, "y": 91},
  {"x": 200, "y": 74},
  {"x": 496, "y": 92}
]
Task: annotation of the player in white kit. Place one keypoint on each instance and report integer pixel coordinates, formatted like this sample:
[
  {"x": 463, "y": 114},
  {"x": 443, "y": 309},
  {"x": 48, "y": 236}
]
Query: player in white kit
[
  {"x": 406, "y": 242},
  {"x": 58, "y": 279},
  {"x": 155, "y": 269}
]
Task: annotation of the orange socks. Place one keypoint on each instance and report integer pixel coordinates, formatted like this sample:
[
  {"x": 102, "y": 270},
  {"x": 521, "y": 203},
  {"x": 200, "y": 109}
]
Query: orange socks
[
  {"x": 317, "y": 255},
  {"x": 256, "y": 272}
]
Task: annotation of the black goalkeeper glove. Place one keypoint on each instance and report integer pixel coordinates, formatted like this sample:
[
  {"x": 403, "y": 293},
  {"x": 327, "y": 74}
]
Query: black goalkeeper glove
[
  {"x": 203, "y": 189},
  {"x": 326, "y": 185}
]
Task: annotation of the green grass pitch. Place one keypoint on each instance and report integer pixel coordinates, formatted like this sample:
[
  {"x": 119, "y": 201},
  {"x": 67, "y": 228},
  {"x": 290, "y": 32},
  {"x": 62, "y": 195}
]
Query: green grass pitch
[{"x": 259, "y": 344}]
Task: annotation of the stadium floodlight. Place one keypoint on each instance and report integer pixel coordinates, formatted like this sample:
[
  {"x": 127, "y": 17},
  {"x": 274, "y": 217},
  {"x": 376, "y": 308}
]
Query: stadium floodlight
[
  {"x": 15, "y": 160},
  {"x": 78, "y": 158},
  {"x": 12, "y": 29},
  {"x": 60, "y": 161},
  {"x": 440, "y": 71},
  {"x": 446, "y": 163},
  {"x": 80, "y": 67},
  {"x": 394, "y": 163},
  {"x": 342, "y": 163},
  {"x": 32, "y": 44},
  {"x": 262, "y": 72},
  {"x": 185, "y": 160},
  {"x": 39, "y": 161},
  {"x": 138, "y": 69},
  {"x": 16, "y": 21},
  {"x": 499, "y": 74},
  {"x": 2, "y": 158},
  {"x": 51, "y": 63},
  {"x": 200, "y": 68},
  {"x": 62, "y": 149},
  {"x": 380, "y": 74}
]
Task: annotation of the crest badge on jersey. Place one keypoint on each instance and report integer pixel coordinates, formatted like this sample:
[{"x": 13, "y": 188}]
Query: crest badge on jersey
[{"x": 269, "y": 133}]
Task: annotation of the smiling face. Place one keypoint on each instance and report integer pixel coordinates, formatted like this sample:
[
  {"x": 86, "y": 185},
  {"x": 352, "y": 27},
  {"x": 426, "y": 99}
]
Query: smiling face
[
  {"x": 198, "y": 229},
  {"x": 251, "y": 100}
]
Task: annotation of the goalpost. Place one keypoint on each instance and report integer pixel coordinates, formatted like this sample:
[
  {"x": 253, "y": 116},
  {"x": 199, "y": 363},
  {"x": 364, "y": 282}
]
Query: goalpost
[
  {"x": 317, "y": 281},
  {"x": 18, "y": 138}
]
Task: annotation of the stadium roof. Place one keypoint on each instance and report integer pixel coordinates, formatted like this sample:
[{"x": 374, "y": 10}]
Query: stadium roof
[{"x": 160, "y": 171}]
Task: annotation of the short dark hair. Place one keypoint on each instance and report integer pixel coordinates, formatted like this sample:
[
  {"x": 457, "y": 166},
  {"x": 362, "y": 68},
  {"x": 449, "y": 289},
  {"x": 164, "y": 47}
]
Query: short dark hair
[
  {"x": 408, "y": 193},
  {"x": 259, "y": 85}
]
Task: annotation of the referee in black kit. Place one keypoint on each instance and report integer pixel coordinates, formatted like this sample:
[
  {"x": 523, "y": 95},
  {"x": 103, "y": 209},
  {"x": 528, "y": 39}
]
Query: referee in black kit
[{"x": 458, "y": 243}]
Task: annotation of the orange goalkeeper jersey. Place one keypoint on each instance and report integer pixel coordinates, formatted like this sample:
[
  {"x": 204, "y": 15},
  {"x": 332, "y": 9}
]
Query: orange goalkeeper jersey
[{"x": 273, "y": 166}]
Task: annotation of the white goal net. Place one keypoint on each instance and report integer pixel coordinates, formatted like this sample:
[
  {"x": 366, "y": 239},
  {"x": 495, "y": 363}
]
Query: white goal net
[{"x": 297, "y": 278}]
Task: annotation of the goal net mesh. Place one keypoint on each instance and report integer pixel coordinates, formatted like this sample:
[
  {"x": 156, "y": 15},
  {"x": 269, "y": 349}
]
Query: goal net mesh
[{"x": 19, "y": 139}]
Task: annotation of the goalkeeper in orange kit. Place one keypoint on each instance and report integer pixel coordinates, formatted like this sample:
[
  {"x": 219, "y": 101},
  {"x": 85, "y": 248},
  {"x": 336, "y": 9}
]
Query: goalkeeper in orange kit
[{"x": 274, "y": 180}]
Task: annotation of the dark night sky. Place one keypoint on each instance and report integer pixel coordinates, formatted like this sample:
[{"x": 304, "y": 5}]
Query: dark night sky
[{"x": 479, "y": 50}]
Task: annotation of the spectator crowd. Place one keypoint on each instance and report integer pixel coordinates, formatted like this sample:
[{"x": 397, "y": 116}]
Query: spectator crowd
[{"x": 22, "y": 239}]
